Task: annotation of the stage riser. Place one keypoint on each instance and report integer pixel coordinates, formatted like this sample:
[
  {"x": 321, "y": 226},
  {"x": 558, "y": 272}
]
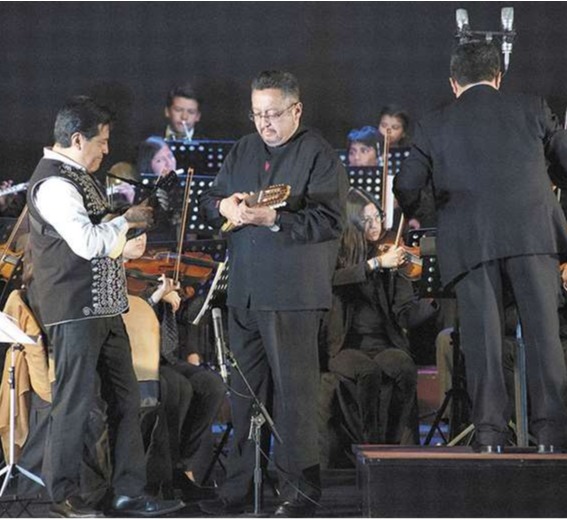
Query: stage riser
[{"x": 486, "y": 487}]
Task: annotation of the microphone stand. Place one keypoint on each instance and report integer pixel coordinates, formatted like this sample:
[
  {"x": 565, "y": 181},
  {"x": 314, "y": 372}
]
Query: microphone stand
[
  {"x": 12, "y": 469},
  {"x": 259, "y": 417}
]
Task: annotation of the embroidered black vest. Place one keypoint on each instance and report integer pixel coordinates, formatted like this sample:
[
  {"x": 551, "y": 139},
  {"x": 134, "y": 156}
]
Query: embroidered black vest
[{"x": 69, "y": 287}]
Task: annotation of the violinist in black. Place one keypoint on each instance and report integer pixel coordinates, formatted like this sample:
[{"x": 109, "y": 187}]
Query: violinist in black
[{"x": 365, "y": 333}]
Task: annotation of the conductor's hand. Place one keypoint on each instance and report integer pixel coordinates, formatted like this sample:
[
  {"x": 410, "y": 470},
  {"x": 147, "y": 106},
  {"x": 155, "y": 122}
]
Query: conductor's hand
[{"x": 140, "y": 216}]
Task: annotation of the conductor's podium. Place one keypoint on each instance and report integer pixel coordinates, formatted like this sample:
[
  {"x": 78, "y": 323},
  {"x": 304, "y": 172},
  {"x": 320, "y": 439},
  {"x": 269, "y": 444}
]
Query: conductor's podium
[{"x": 416, "y": 481}]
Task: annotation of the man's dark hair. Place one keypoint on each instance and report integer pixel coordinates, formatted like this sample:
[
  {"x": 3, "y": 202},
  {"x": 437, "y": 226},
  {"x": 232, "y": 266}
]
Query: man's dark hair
[
  {"x": 474, "y": 62},
  {"x": 367, "y": 135},
  {"x": 284, "y": 81},
  {"x": 184, "y": 91},
  {"x": 81, "y": 114}
]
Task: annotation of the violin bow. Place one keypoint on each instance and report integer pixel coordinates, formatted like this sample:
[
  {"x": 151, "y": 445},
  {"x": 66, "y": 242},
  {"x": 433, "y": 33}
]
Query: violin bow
[
  {"x": 186, "y": 203},
  {"x": 385, "y": 169},
  {"x": 399, "y": 233}
]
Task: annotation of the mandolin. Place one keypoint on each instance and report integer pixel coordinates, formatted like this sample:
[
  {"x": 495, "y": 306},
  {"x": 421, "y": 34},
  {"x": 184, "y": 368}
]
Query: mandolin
[{"x": 271, "y": 197}]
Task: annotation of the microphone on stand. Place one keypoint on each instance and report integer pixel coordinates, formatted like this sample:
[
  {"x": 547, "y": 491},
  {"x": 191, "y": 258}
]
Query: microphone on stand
[
  {"x": 463, "y": 28},
  {"x": 507, "y": 20},
  {"x": 219, "y": 343}
]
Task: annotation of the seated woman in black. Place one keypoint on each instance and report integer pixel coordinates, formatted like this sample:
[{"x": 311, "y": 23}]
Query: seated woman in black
[{"x": 366, "y": 329}]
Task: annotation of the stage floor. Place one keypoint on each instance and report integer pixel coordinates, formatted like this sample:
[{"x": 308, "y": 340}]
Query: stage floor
[{"x": 341, "y": 499}]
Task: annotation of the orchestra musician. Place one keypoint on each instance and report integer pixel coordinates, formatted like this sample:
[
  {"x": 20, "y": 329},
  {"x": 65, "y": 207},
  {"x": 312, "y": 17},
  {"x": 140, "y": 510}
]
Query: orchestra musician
[
  {"x": 281, "y": 265},
  {"x": 183, "y": 112},
  {"x": 365, "y": 333},
  {"x": 155, "y": 157},
  {"x": 498, "y": 223},
  {"x": 394, "y": 120},
  {"x": 80, "y": 287},
  {"x": 190, "y": 393},
  {"x": 362, "y": 146}
]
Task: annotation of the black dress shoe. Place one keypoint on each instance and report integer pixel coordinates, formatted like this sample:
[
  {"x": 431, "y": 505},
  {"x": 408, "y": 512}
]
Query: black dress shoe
[
  {"x": 144, "y": 506},
  {"x": 73, "y": 507},
  {"x": 223, "y": 506},
  {"x": 299, "y": 508},
  {"x": 489, "y": 448},
  {"x": 548, "y": 449},
  {"x": 191, "y": 490}
]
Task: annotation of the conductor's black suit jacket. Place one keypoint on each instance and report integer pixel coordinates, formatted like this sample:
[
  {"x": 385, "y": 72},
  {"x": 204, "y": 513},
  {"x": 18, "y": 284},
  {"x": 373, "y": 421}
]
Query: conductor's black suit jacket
[{"x": 487, "y": 155}]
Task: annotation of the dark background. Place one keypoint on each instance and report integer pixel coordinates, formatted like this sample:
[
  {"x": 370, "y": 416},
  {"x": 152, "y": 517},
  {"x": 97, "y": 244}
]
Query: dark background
[{"x": 350, "y": 57}]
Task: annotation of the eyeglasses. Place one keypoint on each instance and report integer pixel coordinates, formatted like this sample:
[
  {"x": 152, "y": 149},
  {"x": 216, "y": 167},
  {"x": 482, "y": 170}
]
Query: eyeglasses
[
  {"x": 372, "y": 218},
  {"x": 272, "y": 117}
]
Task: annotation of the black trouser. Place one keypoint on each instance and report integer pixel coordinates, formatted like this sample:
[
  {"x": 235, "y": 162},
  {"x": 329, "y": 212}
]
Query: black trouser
[
  {"x": 534, "y": 280},
  {"x": 196, "y": 438},
  {"x": 386, "y": 384},
  {"x": 276, "y": 350},
  {"x": 81, "y": 348}
]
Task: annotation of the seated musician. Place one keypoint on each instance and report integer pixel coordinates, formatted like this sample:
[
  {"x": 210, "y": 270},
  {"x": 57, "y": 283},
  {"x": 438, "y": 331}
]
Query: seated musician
[
  {"x": 192, "y": 394},
  {"x": 155, "y": 157},
  {"x": 362, "y": 146},
  {"x": 183, "y": 112},
  {"x": 396, "y": 120},
  {"x": 365, "y": 335}
]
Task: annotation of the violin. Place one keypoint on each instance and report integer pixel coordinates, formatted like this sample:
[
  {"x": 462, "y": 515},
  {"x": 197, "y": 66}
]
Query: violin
[
  {"x": 412, "y": 268},
  {"x": 194, "y": 268},
  {"x": 8, "y": 261}
]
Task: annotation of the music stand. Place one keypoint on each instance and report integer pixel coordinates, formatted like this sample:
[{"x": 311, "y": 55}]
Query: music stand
[
  {"x": 200, "y": 182},
  {"x": 11, "y": 333},
  {"x": 430, "y": 286},
  {"x": 217, "y": 292},
  {"x": 204, "y": 155}
]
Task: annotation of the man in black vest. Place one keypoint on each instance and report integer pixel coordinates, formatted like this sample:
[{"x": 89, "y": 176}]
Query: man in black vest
[
  {"x": 79, "y": 293},
  {"x": 281, "y": 268},
  {"x": 499, "y": 227}
]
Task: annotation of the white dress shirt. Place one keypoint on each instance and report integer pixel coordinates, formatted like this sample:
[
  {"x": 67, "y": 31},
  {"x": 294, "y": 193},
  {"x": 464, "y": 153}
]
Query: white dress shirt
[{"x": 61, "y": 205}]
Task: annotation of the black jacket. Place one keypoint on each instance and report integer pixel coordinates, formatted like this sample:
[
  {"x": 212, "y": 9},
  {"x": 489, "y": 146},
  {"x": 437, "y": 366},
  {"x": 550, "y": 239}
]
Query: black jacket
[
  {"x": 290, "y": 269},
  {"x": 486, "y": 155},
  {"x": 392, "y": 294}
]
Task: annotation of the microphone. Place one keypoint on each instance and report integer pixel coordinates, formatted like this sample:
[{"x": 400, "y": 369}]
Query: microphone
[
  {"x": 463, "y": 28},
  {"x": 507, "y": 20},
  {"x": 219, "y": 343}
]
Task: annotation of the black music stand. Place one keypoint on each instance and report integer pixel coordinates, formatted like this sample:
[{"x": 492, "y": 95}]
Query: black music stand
[
  {"x": 217, "y": 293},
  {"x": 395, "y": 157},
  {"x": 457, "y": 396},
  {"x": 430, "y": 287},
  {"x": 204, "y": 156},
  {"x": 196, "y": 225}
]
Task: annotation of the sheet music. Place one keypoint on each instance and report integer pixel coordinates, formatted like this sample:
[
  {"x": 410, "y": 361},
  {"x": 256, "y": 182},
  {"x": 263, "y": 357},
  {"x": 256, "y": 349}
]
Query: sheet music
[
  {"x": 218, "y": 275},
  {"x": 11, "y": 333}
]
